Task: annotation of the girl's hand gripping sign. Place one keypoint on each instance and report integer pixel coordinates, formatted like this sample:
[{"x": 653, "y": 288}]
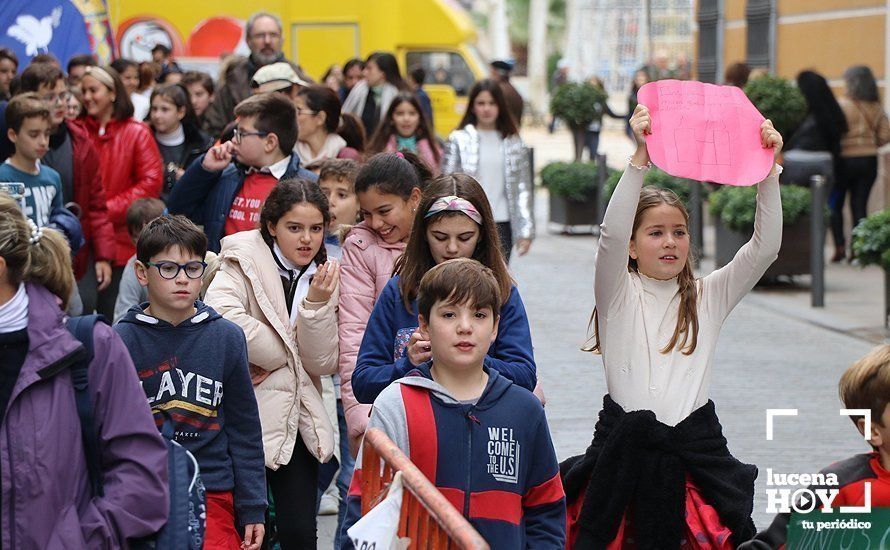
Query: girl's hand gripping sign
[{"x": 705, "y": 132}]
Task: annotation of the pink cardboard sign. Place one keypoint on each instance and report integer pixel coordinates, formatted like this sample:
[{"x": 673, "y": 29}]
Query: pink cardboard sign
[{"x": 705, "y": 132}]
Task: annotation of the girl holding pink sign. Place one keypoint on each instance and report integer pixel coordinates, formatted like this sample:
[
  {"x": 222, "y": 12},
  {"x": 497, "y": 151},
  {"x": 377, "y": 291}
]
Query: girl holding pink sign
[{"x": 658, "y": 473}]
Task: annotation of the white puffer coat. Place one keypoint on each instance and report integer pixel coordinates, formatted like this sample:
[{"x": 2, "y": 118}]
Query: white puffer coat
[{"x": 287, "y": 359}]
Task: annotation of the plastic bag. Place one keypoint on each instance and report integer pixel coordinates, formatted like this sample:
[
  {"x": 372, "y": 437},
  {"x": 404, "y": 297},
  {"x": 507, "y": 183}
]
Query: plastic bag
[{"x": 378, "y": 529}]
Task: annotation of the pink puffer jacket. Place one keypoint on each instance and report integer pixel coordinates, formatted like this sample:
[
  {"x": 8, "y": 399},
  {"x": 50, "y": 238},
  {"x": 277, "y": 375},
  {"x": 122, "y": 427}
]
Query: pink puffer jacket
[{"x": 365, "y": 268}]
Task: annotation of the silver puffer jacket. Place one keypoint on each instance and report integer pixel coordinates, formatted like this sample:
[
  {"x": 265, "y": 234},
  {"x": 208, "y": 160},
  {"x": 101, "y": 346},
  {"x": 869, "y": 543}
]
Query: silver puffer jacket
[{"x": 462, "y": 155}]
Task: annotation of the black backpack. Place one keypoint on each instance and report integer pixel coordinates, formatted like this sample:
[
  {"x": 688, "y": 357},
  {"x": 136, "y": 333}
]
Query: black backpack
[{"x": 185, "y": 523}]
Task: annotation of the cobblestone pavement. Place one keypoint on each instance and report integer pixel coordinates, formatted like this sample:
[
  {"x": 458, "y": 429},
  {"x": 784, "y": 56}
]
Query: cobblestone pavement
[{"x": 764, "y": 360}]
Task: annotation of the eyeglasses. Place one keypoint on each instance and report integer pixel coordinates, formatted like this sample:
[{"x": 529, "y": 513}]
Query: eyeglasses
[
  {"x": 170, "y": 270},
  {"x": 301, "y": 111},
  {"x": 238, "y": 135},
  {"x": 266, "y": 35},
  {"x": 55, "y": 98}
]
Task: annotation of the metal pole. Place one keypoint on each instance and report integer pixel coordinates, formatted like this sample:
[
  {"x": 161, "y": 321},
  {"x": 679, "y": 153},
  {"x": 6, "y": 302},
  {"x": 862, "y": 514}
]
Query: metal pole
[
  {"x": 531, "y": 164},
  {"x": 647, "y": 28},
  {"x": 601, "y": 177},
  {"x": 817, "y": 240},
  {"x": 886, "y": 299},
  {"x": 695, "y": 221}
]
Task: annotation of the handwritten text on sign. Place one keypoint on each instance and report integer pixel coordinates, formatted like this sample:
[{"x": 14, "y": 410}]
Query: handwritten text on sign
[{"x": 705, "y": 132}]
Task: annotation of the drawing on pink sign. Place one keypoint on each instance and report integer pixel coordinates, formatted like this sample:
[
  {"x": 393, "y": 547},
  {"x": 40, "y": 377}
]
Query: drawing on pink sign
[
  {"x": 705, "y": 132},
  {"x": 709, "y": 145}
]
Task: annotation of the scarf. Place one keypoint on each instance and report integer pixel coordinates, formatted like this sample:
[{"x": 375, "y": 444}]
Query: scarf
[
  {"x": 406, "y": 144},
  {"x": 331, "y": 148},
  {"x": 14, "y": 313}
]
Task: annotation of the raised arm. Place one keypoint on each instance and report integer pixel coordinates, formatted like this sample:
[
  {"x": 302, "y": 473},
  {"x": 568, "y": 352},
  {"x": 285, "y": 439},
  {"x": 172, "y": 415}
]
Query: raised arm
[
  {"x": 611, "y": 279},
  {"x": 317, "y": 337},
  {"x": 723, "y": 289},
  {"x": 189, "y": 195}
]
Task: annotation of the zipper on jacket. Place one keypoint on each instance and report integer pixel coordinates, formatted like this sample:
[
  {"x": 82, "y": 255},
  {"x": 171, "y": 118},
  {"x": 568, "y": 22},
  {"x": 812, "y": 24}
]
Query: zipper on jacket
[
  {"x": 471, "y": 419},
  {"x": 11, "y": 503}
]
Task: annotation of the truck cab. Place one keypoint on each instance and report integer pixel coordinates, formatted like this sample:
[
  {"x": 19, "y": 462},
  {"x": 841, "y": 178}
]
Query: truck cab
[{"x": 437, "y": 35}]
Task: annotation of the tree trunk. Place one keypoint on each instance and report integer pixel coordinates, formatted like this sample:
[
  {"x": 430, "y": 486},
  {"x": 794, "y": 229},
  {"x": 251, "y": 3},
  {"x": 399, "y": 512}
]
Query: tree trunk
[
  {"x": 574, "y": 41},
  {"x": 578, "y": 138},
  {"x": 498, "y": 29},
  {"x": 537, "y": 56}
]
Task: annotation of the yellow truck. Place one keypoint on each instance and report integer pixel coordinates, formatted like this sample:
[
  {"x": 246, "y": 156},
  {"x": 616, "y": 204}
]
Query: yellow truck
[{"x": 437, "y": 35}]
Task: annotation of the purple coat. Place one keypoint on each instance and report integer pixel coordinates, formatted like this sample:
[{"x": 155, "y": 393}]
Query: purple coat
[{"x": 46, "y": 499}]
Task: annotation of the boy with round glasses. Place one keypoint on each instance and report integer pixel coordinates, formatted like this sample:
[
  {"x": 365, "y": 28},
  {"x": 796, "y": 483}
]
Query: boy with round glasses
[{"x": 193, "y": 367}]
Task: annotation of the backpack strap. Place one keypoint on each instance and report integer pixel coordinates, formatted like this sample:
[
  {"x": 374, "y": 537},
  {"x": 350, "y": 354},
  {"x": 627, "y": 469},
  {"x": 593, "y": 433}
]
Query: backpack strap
[{"x": 82, "y": 329}]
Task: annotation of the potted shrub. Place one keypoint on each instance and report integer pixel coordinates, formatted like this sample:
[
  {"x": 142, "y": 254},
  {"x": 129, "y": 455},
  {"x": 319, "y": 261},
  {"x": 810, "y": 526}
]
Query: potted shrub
[
  {"x": 871, "y": 246},
  {"x": 578, "y": 104},
  {"x": 734, "y": 208},
  {"x": 573, "y": 192},
  {"x": 779, "y": 100}
]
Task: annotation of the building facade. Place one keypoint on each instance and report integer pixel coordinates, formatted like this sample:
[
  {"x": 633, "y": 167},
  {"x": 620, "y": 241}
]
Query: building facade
[{"x": 788, "y": 36}]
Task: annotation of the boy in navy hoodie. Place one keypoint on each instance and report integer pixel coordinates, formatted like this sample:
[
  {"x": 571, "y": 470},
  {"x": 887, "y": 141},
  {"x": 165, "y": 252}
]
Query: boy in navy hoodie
[
  {"x": 483, "y": 441},
  {"x": 224, "y": 189},
  {"x": 193, "y": 367}
]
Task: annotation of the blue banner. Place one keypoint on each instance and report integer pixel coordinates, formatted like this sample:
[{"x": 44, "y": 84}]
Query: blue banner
[{"x": 63, "y": 28}]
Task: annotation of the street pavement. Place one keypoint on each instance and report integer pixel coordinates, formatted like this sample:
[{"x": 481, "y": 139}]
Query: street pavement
[
  {"x": 774, "y": 351},
  {"x": 764, "y": 360}
]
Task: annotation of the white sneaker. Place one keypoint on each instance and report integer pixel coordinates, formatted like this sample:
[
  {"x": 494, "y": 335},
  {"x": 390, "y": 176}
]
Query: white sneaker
[{"x": 329, "y": 505}]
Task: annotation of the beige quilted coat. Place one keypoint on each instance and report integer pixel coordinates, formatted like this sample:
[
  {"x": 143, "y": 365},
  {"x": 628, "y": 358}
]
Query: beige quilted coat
[{"x": 288, "y": 360}]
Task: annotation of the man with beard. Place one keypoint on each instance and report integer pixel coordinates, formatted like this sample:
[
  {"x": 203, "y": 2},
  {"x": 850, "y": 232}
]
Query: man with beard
[{"x": 263, "y": 34}]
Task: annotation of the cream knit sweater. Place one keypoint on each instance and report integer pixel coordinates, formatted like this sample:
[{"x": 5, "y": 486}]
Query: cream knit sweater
[{"x": 637, "y": 315}]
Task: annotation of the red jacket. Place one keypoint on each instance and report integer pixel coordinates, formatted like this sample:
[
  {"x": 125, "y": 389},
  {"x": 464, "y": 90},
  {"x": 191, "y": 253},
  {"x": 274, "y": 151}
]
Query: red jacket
[
  {"x": 131, "y": 169},
  {"x": 89, "y": 194}
]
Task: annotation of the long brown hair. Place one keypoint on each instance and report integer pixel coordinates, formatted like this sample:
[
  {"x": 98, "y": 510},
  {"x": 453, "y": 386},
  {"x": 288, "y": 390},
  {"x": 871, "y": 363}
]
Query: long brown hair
[
  {"x": 387, "y": 127},
  {"x": 417, "y": 258},
  {"x": 504, "y": 123},
  {"x": 685, "y": 337}
]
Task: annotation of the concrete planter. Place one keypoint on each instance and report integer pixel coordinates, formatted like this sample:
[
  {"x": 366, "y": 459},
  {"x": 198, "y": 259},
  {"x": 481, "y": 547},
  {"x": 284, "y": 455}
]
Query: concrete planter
[
  {"x": 794, "y": 254},
  {"x": 575, "y": 216}
]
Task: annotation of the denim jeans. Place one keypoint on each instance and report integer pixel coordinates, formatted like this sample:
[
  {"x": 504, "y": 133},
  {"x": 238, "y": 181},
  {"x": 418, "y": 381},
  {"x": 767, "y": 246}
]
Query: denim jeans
[{"x": 347, "y": 463}]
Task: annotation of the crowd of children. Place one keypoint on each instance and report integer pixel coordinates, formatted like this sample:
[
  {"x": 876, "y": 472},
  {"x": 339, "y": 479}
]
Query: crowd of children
[{"x": 270, "y": 284}]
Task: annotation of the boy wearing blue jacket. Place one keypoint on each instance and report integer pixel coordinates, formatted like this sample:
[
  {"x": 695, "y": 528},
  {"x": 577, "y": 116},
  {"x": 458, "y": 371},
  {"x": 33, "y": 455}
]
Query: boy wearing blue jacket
[
  {"x": 483, "y": 441},
  {"x": 383, "y": 355},
  {"x": 224, "y": 189},
  {"x": 193, "y": 367}
]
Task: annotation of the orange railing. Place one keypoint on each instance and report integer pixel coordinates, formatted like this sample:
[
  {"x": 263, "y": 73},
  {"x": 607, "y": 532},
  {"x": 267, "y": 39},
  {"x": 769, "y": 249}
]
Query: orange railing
[{"x": 428, "y": 519}]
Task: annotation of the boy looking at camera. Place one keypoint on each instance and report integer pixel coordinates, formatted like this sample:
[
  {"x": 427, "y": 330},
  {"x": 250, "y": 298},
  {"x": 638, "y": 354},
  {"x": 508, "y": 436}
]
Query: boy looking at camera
[
  {"x": 193, "y": 368},
  {"x": 481, "y": 440}
]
